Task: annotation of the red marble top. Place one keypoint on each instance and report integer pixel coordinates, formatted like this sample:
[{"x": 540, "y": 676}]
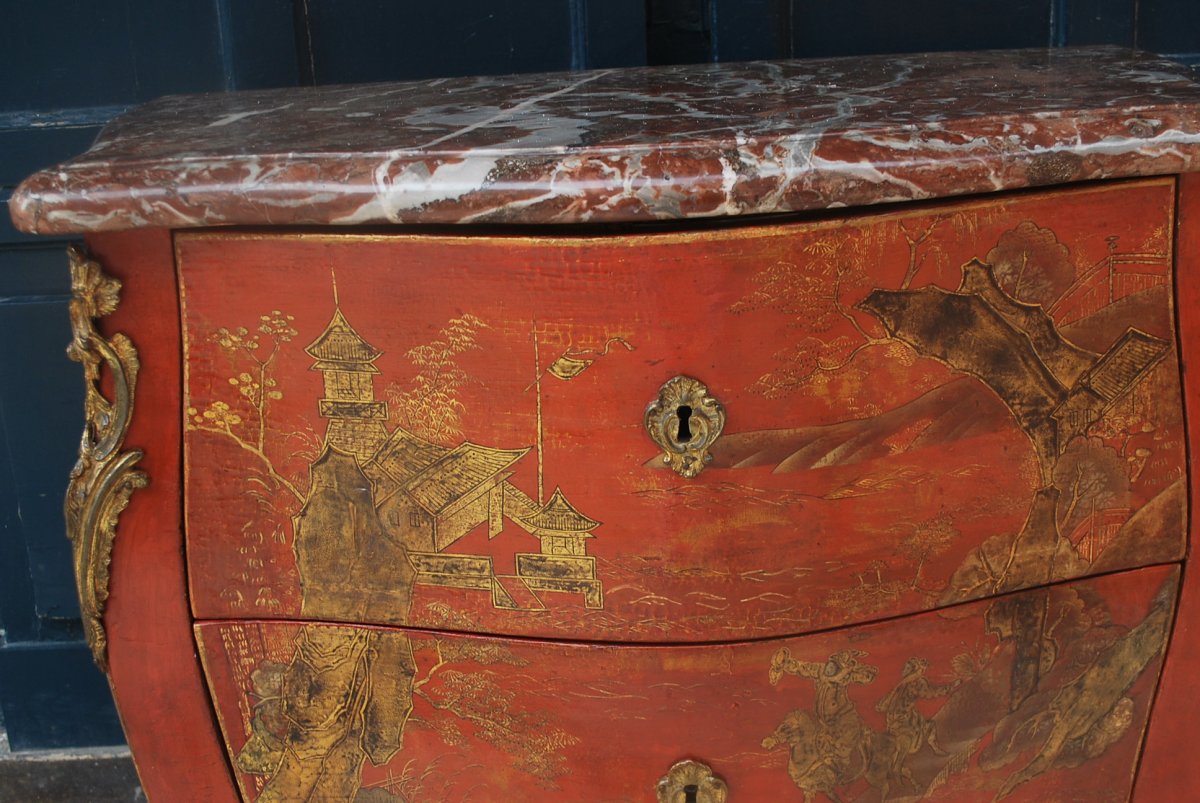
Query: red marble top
[{"x": 631, "y": 144}]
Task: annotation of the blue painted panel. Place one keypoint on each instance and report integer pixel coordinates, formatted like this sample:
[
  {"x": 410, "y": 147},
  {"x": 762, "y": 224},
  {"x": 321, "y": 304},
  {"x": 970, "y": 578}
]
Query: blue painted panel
[
  {"x": 175, "y": 47},
  {"x": 824, "y": 28},
  {"x": 258, "y": 43},
  {"x": 40, "y": 271},
  {"x": 744, "y": 30},
  {"x": 53, "y": 696},
  {"x": 68, "y": 53},
  {"x": 1169, "y": 26},
  {"x": 379, "y": 40},
  {"x": 44, "y": 44},
  {"x": 26, "y": 150},
  {"x": 614, "y": 33},
  {"x": 42, "y": 395},
  {"x": 1099, "y": 22},
  {"x": 16, "y": 586},
  {"x": 679, "y": 31}
]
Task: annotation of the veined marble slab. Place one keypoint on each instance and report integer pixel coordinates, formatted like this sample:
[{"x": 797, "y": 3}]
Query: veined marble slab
[{"x": 655, "y": 143}]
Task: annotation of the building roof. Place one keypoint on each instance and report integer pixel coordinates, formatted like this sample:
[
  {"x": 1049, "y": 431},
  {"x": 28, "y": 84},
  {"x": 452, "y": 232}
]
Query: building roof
[
  {"x": 558, "y": 516},
  {"x": 1123, "y": 365},
  {"x": 345, "y": 348},
  {"x": 518, "y": 504},
  {"x": 402, "y": 456},
  {"x": 459, "y": 472}
]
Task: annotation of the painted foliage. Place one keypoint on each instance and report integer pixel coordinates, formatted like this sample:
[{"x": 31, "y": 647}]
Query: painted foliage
[
  {"x": 939, "y": 706},
  {"x": 924, "y": 407}
]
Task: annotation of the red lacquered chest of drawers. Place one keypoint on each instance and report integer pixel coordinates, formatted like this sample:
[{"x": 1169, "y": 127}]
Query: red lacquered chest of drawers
[{"x": 795, "y": 430}]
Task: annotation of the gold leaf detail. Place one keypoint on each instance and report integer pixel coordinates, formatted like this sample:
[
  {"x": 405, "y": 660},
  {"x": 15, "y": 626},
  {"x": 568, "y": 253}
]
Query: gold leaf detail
[
  {"x": 691, "y": 781},
  {"x": 104, "y": 477}
]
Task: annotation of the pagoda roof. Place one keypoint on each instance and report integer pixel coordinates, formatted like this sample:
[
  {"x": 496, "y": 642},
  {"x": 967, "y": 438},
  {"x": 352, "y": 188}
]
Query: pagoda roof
[
  {"x": 558, "y": 516},
  {"x": 341, "y": 344},
  {"x": 457, "y": 473}
]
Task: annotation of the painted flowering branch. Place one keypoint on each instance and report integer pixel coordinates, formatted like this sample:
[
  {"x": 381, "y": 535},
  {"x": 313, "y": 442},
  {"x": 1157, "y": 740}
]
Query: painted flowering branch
[{"x": 256, "y": 387}]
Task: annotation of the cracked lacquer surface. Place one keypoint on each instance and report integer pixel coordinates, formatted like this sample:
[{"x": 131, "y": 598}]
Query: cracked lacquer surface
[{"x": 626, "y": 145}]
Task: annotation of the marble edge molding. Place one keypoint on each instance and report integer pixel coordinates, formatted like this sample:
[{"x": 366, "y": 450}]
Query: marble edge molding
[{"x": 557, "y": 154}]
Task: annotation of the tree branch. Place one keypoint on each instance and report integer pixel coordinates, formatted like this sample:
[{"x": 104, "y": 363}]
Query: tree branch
[
  {"x": 441, "y": 661},
  {"x": 254, "y": 450},
  {"x": 871, "y": 341},
  {"x": 1076, "y": 495},
  {"x": 261, "y": 406},
  {"x": 487, "y": 722},
  {"x": 845, "y": 311},
  {"x": 914, "y": 265}
]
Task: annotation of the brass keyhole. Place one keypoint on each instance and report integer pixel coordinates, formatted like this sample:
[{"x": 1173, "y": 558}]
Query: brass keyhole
[
  {"x": 691, "y": 782},
  {"x": 684, "y": 421},
  {"x": 684, "y": 432}
]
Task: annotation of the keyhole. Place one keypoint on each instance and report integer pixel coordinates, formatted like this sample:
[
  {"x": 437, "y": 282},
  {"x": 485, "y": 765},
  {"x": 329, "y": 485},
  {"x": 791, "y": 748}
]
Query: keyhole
[
  {"x": 684, "y": 434},
  {"x": 689, "y": 793}
]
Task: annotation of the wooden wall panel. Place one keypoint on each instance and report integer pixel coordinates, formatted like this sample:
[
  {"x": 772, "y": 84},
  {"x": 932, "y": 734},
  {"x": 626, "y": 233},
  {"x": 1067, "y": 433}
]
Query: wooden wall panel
[
  {"x": 81, "y": 53},
  {"x": 355, "y": 41},
  {"x": 822, "y": 28},
  {"x": 1169, "y": 26},
  {"x": 1097, "y": 22},
  {"x": 613, "y": 33},
  {"x": 48, "y": 453}
]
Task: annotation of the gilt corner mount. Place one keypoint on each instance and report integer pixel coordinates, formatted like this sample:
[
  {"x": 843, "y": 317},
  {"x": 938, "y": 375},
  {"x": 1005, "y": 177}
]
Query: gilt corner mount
[{"x": 104, "y": 477}]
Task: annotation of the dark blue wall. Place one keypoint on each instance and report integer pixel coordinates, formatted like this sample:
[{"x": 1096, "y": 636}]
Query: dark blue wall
[{"x": 71, "y": 65}]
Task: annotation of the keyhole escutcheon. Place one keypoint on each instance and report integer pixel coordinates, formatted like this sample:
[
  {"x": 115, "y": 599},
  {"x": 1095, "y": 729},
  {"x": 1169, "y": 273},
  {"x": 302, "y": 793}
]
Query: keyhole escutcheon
[
  {"x": 684, "y": 431},
  {"x": 684, "y": 421},
  {"x": 691, "y": 782}
]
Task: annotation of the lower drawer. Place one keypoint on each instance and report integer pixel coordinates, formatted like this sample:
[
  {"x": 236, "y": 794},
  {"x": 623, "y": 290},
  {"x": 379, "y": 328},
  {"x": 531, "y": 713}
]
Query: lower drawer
[{"x": 1041, "y": 695}]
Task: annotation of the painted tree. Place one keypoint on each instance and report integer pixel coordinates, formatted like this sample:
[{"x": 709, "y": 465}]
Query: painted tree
[
  {"x": 1091, "y": 477},
  {"x": 925, "y": 540},
  {"x": 477, "y": 699},
  {"x": 819, "y": 293},
  {"x": 429, "y": 406},
  {"x": 1031, "y": 264},
  {"x": 244, "y": 419},
  {"x": 815, "y": 293}
]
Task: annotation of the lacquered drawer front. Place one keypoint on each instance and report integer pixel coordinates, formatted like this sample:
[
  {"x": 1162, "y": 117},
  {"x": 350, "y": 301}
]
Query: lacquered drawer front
[
  {"x": 382, "y": 428},
  {"x": 1039, "y": 696}
]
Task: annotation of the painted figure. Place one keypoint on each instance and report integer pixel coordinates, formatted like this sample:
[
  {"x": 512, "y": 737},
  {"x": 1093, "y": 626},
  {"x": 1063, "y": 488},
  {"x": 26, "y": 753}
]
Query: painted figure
[{"x": 344, "y": 698}]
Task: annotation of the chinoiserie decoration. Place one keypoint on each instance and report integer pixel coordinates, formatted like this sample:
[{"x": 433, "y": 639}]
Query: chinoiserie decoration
[
  {"x": 685, "y": 421},
  {"x": 691, "y": 782},
  {"x": 104, "y": 476}
]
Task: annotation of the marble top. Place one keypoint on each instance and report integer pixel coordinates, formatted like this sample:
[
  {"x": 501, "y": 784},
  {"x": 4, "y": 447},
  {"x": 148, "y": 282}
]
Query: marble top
[{"x": 648, "y": 143}]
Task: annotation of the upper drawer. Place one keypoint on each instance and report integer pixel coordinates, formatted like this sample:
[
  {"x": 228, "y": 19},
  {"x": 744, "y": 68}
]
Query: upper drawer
[{"x": 922, "y": 407}]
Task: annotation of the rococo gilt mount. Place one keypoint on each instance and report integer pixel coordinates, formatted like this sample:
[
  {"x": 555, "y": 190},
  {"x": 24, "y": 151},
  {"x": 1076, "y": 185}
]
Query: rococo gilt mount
[{"x": 879, "y": 494}]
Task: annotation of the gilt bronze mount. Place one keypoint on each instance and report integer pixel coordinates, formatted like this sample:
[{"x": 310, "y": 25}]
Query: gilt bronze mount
[
  {"x": 104, "y": 477},
  {"x": 685, "y": 421}
]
